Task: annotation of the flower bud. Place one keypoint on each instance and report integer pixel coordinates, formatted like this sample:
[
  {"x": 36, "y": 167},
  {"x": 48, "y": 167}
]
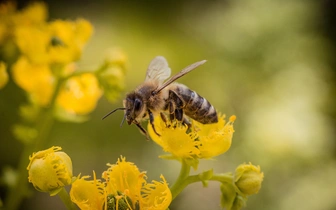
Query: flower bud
[
  {"x": 50, "y": 170},
  {"x": 248, "y": 179}
]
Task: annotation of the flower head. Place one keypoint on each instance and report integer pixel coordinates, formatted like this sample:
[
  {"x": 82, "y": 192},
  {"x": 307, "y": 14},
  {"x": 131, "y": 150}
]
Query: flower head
[
  {"x": 50, "y": 170},
  {"x": 125, "y": 187},
  {"x": 248, "y": 179},
  {"x": 80, "y": 94},
  {"x": 197, "y": 141}
]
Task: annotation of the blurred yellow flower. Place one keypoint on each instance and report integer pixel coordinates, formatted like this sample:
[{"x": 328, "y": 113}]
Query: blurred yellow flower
[
  {"x": 34, "y": 14},
  {"x": 36, "y": 79},
  {"x": 7, "y": 10},
  {"x": 80, "y": 94},
  {"x": 248, "y": 179},
  {"x": 33, "y": 42},
  {"x": 3, "y": 75},
  {"x": 68, "y": 39},
  {"x": 125, "y": 187},
  {"x": 198, "y": 141},
  {"x": 87, "y": 195},
  {"x": 50, "y": 170},
  {"x": 55, "y": 42}
]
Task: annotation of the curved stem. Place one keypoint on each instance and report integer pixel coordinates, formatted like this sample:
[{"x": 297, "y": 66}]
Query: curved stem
[
  {"x": 64, "y": 195},
  {"x": 183, "y": 181},
  {"x": 178, "y": 185}
]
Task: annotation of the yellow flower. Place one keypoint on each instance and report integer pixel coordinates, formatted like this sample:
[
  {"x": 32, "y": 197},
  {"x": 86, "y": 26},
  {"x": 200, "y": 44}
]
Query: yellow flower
[
  {"x": 125, "y": 187},
  {"x": 3, "y": 75},
  {"x": 87, "y": 195},
  {"x": 248, "y": 179},
  {"x": 198, "y": 141},
  {"x": 50, "y": 170},
  {"x": 80, "y": 94},
  {"x": 36, "y": 79},
  {"x": 124, "y": 177}
]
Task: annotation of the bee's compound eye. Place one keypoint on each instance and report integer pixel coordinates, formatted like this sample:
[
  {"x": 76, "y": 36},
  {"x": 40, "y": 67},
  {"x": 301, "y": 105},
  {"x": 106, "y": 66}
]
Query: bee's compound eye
[{"x": 137, "y": 104}]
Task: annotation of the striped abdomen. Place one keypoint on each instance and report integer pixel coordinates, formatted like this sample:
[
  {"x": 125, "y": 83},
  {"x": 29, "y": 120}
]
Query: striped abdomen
[{"x": 195, "y": 106}]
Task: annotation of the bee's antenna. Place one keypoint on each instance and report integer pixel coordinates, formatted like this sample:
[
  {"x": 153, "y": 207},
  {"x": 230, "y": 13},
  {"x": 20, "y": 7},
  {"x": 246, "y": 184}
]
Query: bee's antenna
[
  {"x": 108, "y": 114},
  {"x": 123, "y": 120}
]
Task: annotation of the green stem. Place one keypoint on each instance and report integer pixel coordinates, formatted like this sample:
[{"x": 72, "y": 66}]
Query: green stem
[
  {"x": 64, "y": 195},
  {"x": 184, "y": 173},
  {"x": 20, "y": 190},
  {"x": 184, "y": 179}
]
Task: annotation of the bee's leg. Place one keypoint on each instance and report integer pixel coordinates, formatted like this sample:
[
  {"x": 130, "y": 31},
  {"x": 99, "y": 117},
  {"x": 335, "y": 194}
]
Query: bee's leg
[
  {"x": 143, "y": 131},
  {"x": 151, "y": 120},
  {"x": 163, "y": 117},
  {"x": 175, "y": 107},
  {"x": 186, "y": 122},
  {"x": 171, "y": 111}
]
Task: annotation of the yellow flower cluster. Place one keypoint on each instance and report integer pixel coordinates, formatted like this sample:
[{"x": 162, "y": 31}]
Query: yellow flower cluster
[
  {"x": 47, "y": 52},
  {"x": 197, "y": 141},
  {"x": 125, "y": 187}
]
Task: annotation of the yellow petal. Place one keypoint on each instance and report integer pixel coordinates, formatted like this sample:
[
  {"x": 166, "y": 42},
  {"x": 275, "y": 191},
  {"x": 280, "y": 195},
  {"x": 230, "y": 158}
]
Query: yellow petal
[
  {"x": 87, "y": 194},
  {"x": 174, "y": 138},
  {"x": 215, "y": 139},
  {"x": 156, "y": 195}
]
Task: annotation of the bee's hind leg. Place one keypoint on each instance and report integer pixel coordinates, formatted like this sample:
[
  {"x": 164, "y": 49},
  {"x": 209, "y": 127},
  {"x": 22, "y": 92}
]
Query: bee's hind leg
[
  {"x": 186, "y": 122},
  {"x": 175, "y": 106},
  {"x": 151, "y": 121}
]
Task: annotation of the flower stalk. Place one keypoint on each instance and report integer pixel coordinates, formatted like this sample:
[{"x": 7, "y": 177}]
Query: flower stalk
[{"x": 64, "y": 195}]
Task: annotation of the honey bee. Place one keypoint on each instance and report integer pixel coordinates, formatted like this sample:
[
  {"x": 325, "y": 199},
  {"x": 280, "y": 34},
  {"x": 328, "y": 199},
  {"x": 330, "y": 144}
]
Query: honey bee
[{"x": 155, "y": 95}]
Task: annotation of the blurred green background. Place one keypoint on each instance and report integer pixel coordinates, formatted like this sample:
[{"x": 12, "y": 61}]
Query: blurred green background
[{"x": 270, "y": 63}]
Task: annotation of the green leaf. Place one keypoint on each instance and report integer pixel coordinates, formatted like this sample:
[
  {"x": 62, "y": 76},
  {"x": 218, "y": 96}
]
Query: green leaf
[
  {"x": 228, "y": 195},
  {"x": 192, "y": 162}
]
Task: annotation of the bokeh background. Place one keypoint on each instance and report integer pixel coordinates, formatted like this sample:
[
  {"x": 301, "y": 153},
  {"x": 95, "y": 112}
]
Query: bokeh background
[{"x": 271, "y": 63}]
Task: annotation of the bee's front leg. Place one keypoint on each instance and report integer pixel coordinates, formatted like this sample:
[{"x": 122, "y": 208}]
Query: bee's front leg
[
  {"x": 142, "y": 130},
  {"x": 151, "y": 120}
]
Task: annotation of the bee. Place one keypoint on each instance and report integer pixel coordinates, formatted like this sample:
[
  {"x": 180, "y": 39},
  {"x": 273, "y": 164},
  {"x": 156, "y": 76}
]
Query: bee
[{"x": 158, "y": 95}]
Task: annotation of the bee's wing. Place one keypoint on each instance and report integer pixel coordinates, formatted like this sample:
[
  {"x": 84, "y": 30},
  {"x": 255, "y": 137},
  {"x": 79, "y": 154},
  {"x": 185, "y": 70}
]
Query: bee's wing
[
  {"x": 180, "y": 74},
  {"x": 158, "y": 70}
]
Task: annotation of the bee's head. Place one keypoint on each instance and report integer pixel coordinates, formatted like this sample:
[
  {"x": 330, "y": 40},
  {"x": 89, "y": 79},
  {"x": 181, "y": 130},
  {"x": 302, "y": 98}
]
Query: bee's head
[{"x": 134, "y": 108}]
